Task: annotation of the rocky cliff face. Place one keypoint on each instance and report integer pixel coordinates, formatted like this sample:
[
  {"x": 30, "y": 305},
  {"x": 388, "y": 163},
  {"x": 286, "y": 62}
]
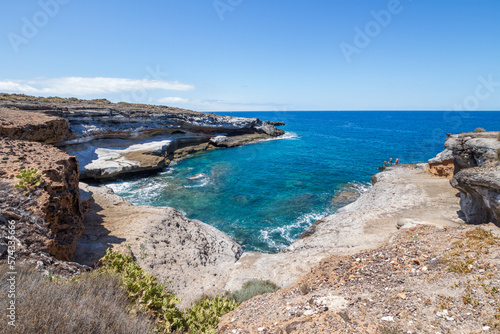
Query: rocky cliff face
[
  {"x": 32, "y": 126},
  {"x": 48, "y": 219},
  {"x": 477, "y": 175},
  {"x": 113, "y": 139},
  {"x": 95, "y": 119},
  {"x": 51, "y": 215}
]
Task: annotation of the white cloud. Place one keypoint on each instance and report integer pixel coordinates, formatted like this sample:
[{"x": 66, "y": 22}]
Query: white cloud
[
  {"x": 173, "y": 100},
  {"x": 79, "y": 86},
  {"x": 219, "y": 105}
]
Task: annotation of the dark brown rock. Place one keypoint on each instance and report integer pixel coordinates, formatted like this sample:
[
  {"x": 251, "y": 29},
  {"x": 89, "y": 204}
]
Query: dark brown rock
[
  {"x": 32, "y": 126},
  {"x": 50, "y": 215}
]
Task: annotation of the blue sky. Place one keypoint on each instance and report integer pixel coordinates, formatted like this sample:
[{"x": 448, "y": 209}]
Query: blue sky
[{"x": 243, "y": 55}]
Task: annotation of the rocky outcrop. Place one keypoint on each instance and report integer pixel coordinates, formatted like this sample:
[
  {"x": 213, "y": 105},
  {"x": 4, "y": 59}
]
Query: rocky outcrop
[
  {"x": 96, "y": 119},
  {"x": 477, "y": 175},
  {"x": 50, "y": 217},
  {"x": 479, "y": 193},
  {"x": 233, "y": 141},
  {"x": 442, "y": 165},
  {"x": 32, "y": 126},
  {"x": 115, "y": 139},
  {"x": 188, "y": 253},
  {"x": 472, "y": 149}
]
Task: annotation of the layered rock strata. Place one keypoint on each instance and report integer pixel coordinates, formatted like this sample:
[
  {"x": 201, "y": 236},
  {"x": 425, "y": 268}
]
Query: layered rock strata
[
  {"x": 114, "y": 139},
  {"x": 97, "y": 119}
]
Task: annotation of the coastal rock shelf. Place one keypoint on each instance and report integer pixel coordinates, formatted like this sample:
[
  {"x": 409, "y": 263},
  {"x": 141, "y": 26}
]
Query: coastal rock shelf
[{"x": 112, "y": 139}]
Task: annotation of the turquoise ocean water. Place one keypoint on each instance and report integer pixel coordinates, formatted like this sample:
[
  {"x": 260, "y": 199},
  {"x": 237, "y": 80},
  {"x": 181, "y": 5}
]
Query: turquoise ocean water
[{"x": 266, "y": 194}]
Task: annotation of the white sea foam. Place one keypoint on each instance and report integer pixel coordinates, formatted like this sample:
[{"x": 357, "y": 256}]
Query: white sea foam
[
  {"x": 200, "y": 181},
  {"x": 286, "y": 135},
  {"x": 121, "y": 187},
  {"x": 358, "y": 187},
  {"x": 289, "y": 232}
]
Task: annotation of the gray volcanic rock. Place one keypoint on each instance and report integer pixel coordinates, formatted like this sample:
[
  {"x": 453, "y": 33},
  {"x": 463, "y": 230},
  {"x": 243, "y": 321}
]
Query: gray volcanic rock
[
  {"x": 477, "y": 175},
  {"x": 442, "y": 157},
  {"x": 471, "y": 149},
  {"x": 480, "y": 193},
  {"x": 233, "y": 141}
]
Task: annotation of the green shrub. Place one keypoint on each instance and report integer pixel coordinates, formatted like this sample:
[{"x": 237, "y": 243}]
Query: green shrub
[
  {"x": 480, "y": 130},
  {"x": 253, "y": 288},
  {"x": 498, "y": 137},
  {"x": 30, "y": 179},
  {"x": 151, "y": 297},
  {"x": 204, "y": 315},
  {"x": 90, "y": 303},
  {"x": 145, "y": 292}
]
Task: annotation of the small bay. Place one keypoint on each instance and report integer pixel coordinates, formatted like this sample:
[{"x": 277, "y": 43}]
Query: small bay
[{"x": 265, "y": 195}]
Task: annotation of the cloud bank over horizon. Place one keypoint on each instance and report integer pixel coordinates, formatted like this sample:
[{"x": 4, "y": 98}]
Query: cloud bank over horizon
[{"x": 80, "y": 86}]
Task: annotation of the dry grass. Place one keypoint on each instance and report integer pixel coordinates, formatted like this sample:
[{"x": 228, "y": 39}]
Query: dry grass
[{"x": 94, "y": 303}]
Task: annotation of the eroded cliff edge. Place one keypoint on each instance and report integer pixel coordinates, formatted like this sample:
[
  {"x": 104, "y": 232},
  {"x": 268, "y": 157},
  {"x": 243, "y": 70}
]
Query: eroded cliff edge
[{"x": 477, "y": 174}]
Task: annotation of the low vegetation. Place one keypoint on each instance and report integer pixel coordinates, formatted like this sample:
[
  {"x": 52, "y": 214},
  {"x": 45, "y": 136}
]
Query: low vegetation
[
  {"x": 117, "y": 297},
  {"x": 151, "y": 297},
  {"x": 463, "y": 255},
  {"x": 253, "y": 288},
  {"x": 90, "y": 303},
  {"x": 479, "y": 130},
  {"x": 30, "y": 180}
]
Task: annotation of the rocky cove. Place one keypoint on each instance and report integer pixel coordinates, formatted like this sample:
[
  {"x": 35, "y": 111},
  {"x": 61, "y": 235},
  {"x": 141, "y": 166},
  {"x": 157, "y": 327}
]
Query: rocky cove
[{"x": 66, "y": 220}]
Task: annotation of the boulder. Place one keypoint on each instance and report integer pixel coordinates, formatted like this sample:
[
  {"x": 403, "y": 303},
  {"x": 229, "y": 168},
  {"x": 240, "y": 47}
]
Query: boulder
[{"x": 442, "y": 164}]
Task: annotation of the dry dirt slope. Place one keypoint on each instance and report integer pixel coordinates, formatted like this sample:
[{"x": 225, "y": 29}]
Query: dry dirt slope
[{"x": 424, "y": 280}]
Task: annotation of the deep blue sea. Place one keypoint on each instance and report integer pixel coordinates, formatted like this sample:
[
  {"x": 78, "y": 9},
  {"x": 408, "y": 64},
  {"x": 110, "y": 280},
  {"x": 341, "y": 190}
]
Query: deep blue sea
[{"x": 265, "y": 195}]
